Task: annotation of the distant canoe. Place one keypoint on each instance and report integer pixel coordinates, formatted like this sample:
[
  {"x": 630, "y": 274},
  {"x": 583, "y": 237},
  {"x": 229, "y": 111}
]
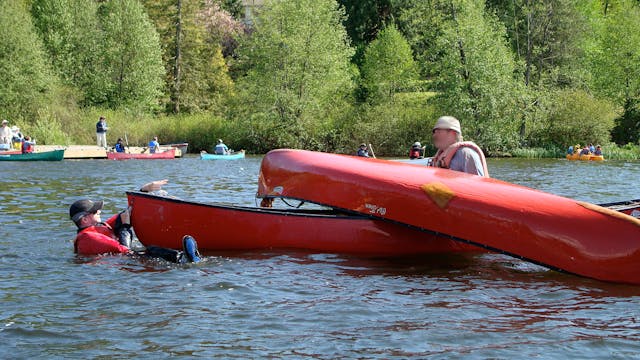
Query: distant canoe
[
  {"x": 590, "y": 157},
  {"x": 234, "y": 156},
  {"x": 169, "y": 154},
  {"x": 54, "y": 155}
]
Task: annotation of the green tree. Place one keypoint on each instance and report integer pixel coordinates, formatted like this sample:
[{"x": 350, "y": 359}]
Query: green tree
[
  {"x": 388, "y": 65},
  {"x": 475, "y": 77},
  {"x": 547, "y": 36},
  {"x": 365, "y": 18},
  {"x": 615, "y": 63},
  {"x": 193, "y": 34},
  {"x": 575, "y": 116},
  {"x": 132, "y": 58},
  {"x": 298, "y": 73},
  {"x": 26, "y": 81},
  {"x": 422, "y": 23},
  {"x": 72, "y": 36}
]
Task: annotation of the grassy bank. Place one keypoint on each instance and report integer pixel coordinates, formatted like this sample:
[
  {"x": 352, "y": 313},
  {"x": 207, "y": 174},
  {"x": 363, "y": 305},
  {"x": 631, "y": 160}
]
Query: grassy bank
[{"x": 201, "y": 131}]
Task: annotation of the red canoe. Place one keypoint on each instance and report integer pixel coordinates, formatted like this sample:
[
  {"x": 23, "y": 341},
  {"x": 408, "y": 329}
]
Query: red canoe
[
  {"x": 168, "y": 154},
  {"x": 557, "y": 232},
  {"x": 162, "y": 221}
]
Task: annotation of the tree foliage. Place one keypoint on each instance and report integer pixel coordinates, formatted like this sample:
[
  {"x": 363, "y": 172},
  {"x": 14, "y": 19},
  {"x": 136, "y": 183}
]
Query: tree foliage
[
  {"x": 297, "y": 69},
  {"x": 72, "y": 39},
  {"x": 132, "y": 59},
  {"x": 26, "y": 80},
  {"x": 194, "y": 35},
  {"x": 388, "y": 65},
  {"x": 476, "y": 76}
]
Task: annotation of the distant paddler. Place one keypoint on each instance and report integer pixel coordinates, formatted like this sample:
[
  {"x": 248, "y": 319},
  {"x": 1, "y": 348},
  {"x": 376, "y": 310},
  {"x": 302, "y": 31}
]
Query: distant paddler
[{"x": 221, "y": 148}]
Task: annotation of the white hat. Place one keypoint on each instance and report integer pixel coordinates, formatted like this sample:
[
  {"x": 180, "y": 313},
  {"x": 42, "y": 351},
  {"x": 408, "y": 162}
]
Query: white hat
[
  {"x": 448, "y": 123},
  {"x": 5, "y": 121},
  {"x": 417, "y": 143}
]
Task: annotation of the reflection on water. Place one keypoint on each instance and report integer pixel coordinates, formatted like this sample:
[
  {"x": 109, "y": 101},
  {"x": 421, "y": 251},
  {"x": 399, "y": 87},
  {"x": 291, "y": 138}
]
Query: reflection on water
[{"x": 290, "y": 304}]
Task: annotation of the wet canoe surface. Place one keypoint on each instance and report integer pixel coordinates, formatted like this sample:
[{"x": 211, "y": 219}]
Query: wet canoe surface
[{"x": 543, "y": 228}]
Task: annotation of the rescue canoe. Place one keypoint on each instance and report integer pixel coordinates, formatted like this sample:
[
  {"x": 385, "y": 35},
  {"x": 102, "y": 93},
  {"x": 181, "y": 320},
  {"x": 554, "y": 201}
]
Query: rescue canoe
[
  {"x": 167, "y": 154},
  {"x": 162, "y": 221},
  {"x": 550, "y": 230},
  {"x": 53, "y": 155},
  {"x": 234, "y": 156}
]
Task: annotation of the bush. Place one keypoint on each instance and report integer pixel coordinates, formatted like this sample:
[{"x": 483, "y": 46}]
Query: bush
[{"x": 574, "y": 116}]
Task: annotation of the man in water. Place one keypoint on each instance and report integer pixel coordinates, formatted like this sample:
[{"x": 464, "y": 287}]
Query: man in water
[
  {"x": 114, "y": 235},
  {"x": 454, "y": 153}
]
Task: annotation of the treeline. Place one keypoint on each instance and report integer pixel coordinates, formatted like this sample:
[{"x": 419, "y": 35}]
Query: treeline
[{"x": 324, "y": 74}]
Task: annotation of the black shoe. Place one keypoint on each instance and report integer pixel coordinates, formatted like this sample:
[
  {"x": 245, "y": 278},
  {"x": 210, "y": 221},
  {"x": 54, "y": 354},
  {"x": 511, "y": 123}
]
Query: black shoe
[{"x": 190, "y": 247}]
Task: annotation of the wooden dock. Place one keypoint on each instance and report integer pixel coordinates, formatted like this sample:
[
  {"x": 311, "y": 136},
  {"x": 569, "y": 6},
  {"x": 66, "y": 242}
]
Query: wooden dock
[{"x": 92, "y": 151}]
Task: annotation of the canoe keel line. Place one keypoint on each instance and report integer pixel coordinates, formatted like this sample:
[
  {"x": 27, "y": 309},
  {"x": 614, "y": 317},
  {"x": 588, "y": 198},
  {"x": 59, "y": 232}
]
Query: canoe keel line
[{"x": 552, "y": 231}]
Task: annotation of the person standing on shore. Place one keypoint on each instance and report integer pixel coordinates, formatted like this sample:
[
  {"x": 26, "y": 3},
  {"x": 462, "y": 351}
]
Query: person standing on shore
[
  {"x": 5, "y": 133},
  {"x": 101, "y": 132}
]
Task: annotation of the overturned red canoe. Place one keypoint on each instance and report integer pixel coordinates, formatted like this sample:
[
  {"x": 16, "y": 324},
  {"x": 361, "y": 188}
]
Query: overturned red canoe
[
  {"x": 168, "y": 154},
  {"x": 550, "y": 230},
  {"x": 162, "y": 221}
]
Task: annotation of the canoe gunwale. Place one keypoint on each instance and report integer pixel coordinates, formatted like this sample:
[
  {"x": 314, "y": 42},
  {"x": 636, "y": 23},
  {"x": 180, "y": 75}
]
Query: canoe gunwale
[{"x": 331, "y": 213}]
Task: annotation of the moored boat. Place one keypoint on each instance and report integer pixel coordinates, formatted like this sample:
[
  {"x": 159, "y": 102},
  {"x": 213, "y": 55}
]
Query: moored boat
[
  {"x": 162, "y": 221},
  {"x": 167, "y": 154},
  {"x": 233, "y": 156},
  {"x": 516, "y": 220},
  {"x": 53, "y": 155}
]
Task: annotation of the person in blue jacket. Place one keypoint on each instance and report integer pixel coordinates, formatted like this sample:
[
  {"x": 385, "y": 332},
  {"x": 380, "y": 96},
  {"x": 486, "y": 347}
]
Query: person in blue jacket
[
  {"x": 362, "y": 151},
  {"x": 119, "y": 146},
  {"x": 221, "y": 148},
  {"x": 154, "y": 145}
]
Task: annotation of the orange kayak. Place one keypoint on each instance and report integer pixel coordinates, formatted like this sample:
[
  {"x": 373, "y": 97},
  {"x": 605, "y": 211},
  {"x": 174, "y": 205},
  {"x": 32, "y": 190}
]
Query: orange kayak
[{"x": 550, "y": 230}]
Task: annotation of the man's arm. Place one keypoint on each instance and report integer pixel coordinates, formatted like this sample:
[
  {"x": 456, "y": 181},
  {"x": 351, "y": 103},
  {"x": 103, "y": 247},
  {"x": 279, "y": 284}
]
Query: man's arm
[
  {"x": 467, "y": 160},
  {"x": 154, "y": 185}
]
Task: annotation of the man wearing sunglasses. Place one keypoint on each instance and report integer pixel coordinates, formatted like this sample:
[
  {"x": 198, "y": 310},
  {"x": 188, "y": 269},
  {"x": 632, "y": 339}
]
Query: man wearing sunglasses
[
  {"x": 114, "y": 235},
  {"x": 454, "y": 153}
]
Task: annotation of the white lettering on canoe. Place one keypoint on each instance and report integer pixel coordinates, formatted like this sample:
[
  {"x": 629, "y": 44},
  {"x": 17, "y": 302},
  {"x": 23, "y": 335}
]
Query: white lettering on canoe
[
  {"x": 278, "y": 190},
  {"x": 635, "y": 214},
  {"x": 375, "y": 209}
]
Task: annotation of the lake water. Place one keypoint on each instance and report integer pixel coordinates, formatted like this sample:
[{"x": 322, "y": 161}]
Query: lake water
[{"x": 291, "y": 304}]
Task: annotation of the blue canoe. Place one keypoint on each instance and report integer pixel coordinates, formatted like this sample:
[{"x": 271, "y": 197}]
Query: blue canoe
[{"x": 235, "y": 156}]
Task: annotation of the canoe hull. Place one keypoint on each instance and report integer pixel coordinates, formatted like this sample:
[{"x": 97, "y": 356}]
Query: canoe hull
[
  {"x": 163, "y": 221},
  {"x": 235, "y": 156},
  {"x": 513, "y": 219},
  {"x": 54, "y": 155},
  {"x": 577, "y": 156},
  {"x": 168, "y": 154}
]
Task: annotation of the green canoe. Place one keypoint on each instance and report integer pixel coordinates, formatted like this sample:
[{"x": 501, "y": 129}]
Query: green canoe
[{"x": 54, "y": 155}]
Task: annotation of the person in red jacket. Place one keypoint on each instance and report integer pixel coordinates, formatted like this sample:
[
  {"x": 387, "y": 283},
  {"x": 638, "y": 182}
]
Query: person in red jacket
[{"x": 114, "y": 235}]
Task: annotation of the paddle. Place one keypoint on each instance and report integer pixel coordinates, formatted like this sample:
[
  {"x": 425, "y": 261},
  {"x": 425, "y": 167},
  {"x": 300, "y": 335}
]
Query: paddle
[
  {"x": 126, "y": 141},
  {"x": 372, "y": 153}
]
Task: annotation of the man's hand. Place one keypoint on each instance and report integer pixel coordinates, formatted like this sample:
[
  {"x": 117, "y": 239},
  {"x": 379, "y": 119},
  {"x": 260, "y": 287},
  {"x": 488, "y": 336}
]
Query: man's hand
[
  {"x": 125, "y": 216},
  {"x": 154, "y": 185}
]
